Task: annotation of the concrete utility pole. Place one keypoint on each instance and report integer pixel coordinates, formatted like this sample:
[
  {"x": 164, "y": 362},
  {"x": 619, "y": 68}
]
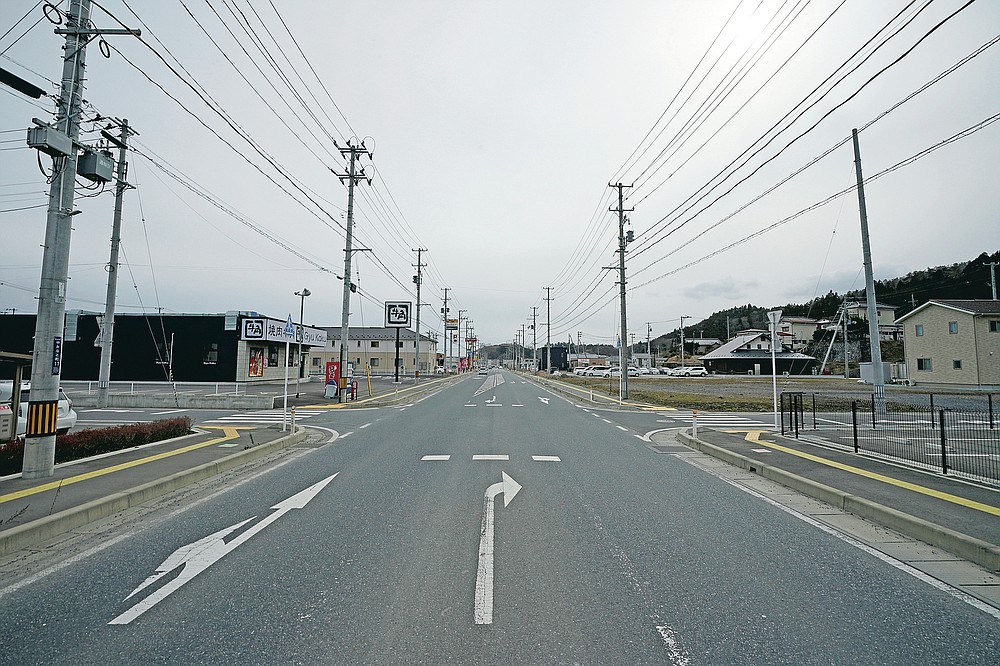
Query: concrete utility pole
[
  {"x": 548, "y": 329},
  {"x": 107, "y": 330},
  {"x": 649, "y": 349},
  {"x": 46, "y": 368},
  {"x": 993, "y": 278},
  {"x": 878, "y": 379},
  {"x": 417, "y": 279},
  {"x": 302, "y": 333},
  {"x": 447, "y": 335},
  {"x": 352, "y": 176},
  {"x": 683, "y": 317},
  {"x": 458, "y": 334},
  {"x": 623, "y": 240},
  {"x": 534, "y": 337}
]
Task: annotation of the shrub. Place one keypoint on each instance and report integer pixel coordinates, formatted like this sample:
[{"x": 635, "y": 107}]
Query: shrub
[{"x": 84, "y": 443}]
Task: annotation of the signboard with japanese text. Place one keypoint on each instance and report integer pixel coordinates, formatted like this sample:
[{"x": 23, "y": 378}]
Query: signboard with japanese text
[
  {"x": 397, "y": 314},
  {"x": 275, "y": 330},
  {"x": 451, "y": 324}
]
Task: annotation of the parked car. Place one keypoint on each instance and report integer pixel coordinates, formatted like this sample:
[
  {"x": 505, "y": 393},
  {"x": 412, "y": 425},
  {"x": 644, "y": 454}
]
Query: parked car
[
  {"x": 66, "y": 417},
  {"x": 644, "y": 370},
  {"x": 695, "y": 371},
  {"x": 633, "y": 371},
  {"x": 439, "y": 370},
  {"x": 611, "y": 372},
  {"x": 596, "y": 370},
  {"x": 580, "y": 370}
]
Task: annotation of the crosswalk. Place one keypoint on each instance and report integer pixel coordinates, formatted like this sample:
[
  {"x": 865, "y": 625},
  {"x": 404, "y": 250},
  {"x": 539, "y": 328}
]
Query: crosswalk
[
  {"x": 719, "y": 420},
  {"x": 265, "y": 417}
]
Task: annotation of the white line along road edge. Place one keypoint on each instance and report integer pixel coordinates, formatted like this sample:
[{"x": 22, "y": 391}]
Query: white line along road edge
[
  {"x": 483, "y": 610},
  {"x": 200, "y": 555}
]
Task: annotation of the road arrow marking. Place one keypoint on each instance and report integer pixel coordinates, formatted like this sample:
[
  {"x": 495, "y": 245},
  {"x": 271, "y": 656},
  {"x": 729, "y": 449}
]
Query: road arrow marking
[
  {"x": 545, "y": 400},
  {"x": 195, "y": 557},
  {"x": 483, "y": 609}
]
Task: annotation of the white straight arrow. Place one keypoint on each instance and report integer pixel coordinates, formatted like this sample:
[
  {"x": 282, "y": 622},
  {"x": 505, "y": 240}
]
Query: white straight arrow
[
  {"x": 483, "y": 610},
  {"x": 200, "y": 555}
]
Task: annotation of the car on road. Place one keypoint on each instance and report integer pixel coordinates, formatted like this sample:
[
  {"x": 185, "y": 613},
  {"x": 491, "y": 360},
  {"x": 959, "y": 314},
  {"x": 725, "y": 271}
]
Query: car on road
[
  {"x": 439, "y": 370},
  {"x": 66, "y": 415},
  {"x": 483, "y": 372}
]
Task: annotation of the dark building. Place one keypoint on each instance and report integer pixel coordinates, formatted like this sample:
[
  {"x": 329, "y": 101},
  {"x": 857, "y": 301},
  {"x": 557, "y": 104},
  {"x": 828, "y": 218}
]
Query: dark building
[
  {"x": 560, "y": 358},
  {"x": 234, "y": 346}
]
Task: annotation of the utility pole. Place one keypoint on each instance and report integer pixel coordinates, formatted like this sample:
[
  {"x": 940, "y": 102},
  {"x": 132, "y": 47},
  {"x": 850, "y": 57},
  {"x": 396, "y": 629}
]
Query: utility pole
[
  {"x": 352, "y": 176},
  {"x": 302, "y": 334},
  {"x": 107, "y": 330},
  {"x": 548, "y": 330},
  {"x": 46, "y": 368},
  {"x": 417, "y": 279},
  {"x": 993, "y": 278},
  {"x": 458, "y": 333},
  {"x": 878, "y": 379},
  {"x": 534, "y": 338},
  {"x": 623, "y": 240},
  {"x": 683, "y": 317},
  {"x": 447, "y": 335}
]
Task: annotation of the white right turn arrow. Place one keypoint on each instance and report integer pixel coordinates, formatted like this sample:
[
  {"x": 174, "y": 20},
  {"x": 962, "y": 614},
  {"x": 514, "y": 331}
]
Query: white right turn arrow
[{"x": 484, "y": 576}]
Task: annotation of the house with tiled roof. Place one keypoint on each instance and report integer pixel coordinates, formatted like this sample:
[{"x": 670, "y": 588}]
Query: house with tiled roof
[
  {"x": 749, "y": 352},
  {"x": 953, "y": 342}
]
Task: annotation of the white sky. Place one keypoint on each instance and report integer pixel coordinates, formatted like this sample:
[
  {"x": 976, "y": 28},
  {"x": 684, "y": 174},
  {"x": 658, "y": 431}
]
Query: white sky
[{"x": 497, "y": 127}]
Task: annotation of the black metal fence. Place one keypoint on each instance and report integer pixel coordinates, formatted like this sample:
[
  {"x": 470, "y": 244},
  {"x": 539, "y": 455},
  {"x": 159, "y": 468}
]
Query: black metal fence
[{"x": 960, "y": 442}]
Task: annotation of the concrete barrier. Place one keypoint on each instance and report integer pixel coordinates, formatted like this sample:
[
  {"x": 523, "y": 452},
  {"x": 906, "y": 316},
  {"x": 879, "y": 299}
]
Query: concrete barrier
[{"x": 181, "y": 401}]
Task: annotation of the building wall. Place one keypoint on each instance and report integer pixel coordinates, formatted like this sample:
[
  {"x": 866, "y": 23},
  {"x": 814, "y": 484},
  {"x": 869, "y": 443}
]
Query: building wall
[
  {"x": 941, "y": 347},
  {"x": 988, "y": 350},
  {"x": 361, "y": 352}
]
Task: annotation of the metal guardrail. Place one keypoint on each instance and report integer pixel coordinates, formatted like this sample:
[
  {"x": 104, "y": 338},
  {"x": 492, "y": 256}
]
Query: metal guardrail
[{"x": 959, "y": 442}]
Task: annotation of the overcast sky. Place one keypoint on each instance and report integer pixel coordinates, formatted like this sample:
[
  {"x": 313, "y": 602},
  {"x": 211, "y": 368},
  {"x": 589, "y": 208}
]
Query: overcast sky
[{"x": 496, "y": 129}]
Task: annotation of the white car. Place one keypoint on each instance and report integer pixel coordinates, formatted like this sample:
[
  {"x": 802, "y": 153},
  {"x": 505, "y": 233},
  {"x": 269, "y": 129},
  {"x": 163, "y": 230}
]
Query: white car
[
  {"x": 66, "y": 418},
  {"x": 644, "y": 370},
  {"x": 695, "y": 371},
  {"x": 580, "y": 370},
  {"x": 596, "y": 370}
]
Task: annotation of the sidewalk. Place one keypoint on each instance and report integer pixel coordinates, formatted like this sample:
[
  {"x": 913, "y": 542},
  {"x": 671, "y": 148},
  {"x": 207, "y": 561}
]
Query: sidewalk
[
  {"x": 82, "y": 491},
  {"x": 945, "y": 512}
]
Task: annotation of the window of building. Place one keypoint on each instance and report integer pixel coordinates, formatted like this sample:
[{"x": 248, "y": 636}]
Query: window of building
[
  {"x": 994, "y": 325},
  {"x": 374, "y": 344},
  {"x": 317, "y": 361},
  {"x": 373, "y": 363},
  {"x": 953, "y": 327},
  {"x": 956, "y": 364},
  {"x": 272, "y": 356},
  {"x": 211, "y": 355},
  {"x": 924, "y": 364},
  {"x": 918, "y": 330},
  {"x": 399, "y": 345}
]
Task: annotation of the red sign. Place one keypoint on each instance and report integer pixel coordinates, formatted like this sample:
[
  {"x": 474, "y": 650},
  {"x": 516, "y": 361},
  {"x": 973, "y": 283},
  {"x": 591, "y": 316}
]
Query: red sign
[
  {"x": 333, "y": 372},
  {"x": 463, "y": 363}
]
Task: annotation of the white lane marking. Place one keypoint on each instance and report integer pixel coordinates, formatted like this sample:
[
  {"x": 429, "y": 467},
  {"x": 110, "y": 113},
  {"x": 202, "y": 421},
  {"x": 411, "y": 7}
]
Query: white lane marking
[
  {"x": 606, "y": 421},
  {"x": 761, "y": 450},
  {"x": 333, "y": 433},
  {"x": 648, "y": 436},
  {"x": 470, "y": 405},
  {"x": 622, "y": 428},
  {"x": 544, "y": 400},
  {"x": 436, "y": 457},
  {"x": 494, "y": 404},
  {"x": 517, "y": 405},
  {"x": 483, "y": 607},
  {"x": 678, "y": 655},
  {"x": 196, "y": 557},
  {"x": 365, "y": 426},
  {"x": 169, "y": 411},
  {"x": 491, "y": 457},
  {"x": 345, "y": 434},
  {"x": 546, "y": 458}
]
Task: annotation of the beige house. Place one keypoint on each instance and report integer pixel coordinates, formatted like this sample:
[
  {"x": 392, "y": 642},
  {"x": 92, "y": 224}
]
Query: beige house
[
  {"x": 799, "y": 330},
  {"x": 954, "y": 342},
  {"x": 373, "y": 348},
  {"x": 888, "y": 327}
]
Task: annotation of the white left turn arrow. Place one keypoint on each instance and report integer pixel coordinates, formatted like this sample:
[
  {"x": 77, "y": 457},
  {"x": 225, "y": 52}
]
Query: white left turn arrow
[
  {"x": 200, "y": 555},
  {"x": 483, "y": 610}
]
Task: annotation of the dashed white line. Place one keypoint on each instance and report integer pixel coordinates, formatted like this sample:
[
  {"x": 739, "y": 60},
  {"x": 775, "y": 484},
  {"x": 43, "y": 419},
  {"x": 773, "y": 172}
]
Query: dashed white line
[
  {"x": 606, "y": 421},
  {"x": 437, "y": 457},
  {"x": 502, "y": 457},
  {"x": 345, "y": 434},
  {"x": 546, "y": 458},
  {"x": 365, "y": 426},
  {"x": 622, "y": 428}
]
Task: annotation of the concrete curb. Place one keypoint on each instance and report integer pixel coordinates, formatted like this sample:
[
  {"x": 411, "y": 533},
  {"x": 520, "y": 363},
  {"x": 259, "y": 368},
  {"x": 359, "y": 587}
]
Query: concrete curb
[
  {"x": 182, "y": 401},
  {"x": 22, "y": 536},
  {"x": 975, "y": 550}
]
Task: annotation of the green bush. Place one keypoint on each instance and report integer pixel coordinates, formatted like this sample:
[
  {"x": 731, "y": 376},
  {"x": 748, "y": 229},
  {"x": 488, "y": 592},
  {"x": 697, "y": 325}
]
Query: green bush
[{"x": 85, "y": 443}]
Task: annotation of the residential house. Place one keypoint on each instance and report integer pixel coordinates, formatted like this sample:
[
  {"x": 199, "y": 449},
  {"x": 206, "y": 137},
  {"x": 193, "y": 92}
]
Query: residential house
[
  {"x": 373, "y": 349},
  {"x": 953, "y": 342},
  {"x": 749, "y": 352},
  {"x": 888, "y": 329},
  {"x": 799, "y": 330}
]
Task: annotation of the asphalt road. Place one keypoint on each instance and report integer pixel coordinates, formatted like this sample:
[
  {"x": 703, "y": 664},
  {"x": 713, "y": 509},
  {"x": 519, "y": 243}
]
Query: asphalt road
[{"x": 581, "y": 546}]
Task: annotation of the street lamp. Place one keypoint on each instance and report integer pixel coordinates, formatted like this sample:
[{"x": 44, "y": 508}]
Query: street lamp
[
  {"x": 302, "y": 307},
  {"x": 683, "y": 317}
]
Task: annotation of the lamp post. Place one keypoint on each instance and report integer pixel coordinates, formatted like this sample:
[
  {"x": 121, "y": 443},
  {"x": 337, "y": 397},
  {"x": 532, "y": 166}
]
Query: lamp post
[{"x": 302, "y": 308}]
